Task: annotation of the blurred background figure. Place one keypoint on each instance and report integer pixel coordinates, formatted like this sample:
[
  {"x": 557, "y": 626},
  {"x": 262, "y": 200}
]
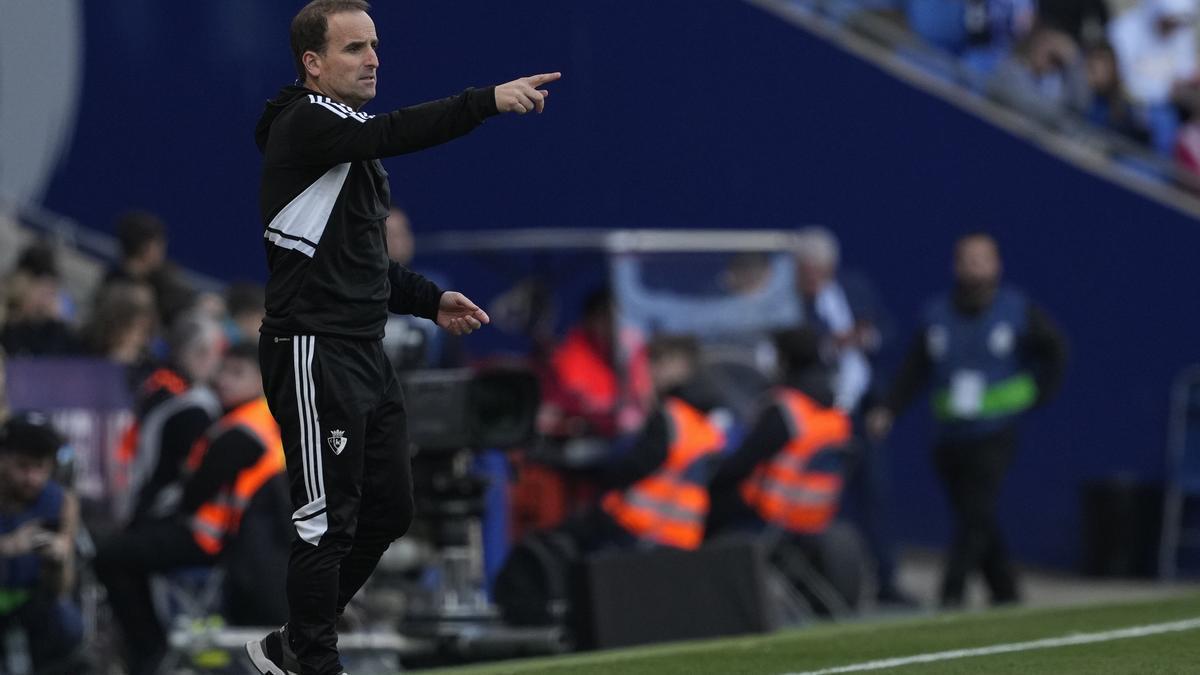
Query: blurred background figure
[
  {"x": 830, "y": 312},
  {"x": 598, "y": 387},
  {"x": 143, "y": 238},
  {"x": 35, "y": 321},
  {"x": 657, "y": 489},
  {"x": 654, "y": 492},
  {"x": 224, "y": 471},
  {"x": 784, "y": 481},
  {"x": 173, "y": 407},
  {"x": 411, "y": 342},
  {"x": 844, "y": 314},
  {"x": 122, "y": 326},
  {"x": 245, "y": 306},
  {"x": 989, "y": 354},
  {"x": 39, "y": 519},
  {"x": 1045, "y": 75},
  {"x": 1155, "y": 44},
  {"x": 1110, "y": 105}
]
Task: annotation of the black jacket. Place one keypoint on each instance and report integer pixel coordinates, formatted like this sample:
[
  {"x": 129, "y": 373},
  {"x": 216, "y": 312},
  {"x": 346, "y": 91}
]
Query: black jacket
[{"x": 323, "y": 202}]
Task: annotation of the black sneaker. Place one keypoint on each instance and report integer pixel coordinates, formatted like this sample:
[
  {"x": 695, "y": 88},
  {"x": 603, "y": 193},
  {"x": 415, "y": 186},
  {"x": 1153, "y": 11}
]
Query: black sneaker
[{"x": 273, "y": 655}]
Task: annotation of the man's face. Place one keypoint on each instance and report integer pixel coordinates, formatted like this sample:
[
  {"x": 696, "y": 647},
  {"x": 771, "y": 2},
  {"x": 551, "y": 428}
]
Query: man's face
[
  {"x": 977, "y": 262},
  {"x": 238, "y": 381},
  {"x": 346, "y": 70},
  {"x": 23, "y": 477}
]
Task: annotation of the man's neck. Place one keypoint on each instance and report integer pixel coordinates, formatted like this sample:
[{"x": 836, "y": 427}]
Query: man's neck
[{"x": 315, "y": 86}]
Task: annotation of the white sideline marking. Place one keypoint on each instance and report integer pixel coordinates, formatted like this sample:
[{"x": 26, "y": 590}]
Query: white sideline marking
[{"x": 1048, "y": 643}]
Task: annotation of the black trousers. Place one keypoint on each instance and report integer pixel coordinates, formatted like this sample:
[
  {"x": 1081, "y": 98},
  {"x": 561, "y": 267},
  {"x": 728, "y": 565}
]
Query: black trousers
[
  {"x": 124, "y": 564},
  {"x": 341, "y": 412},
  {"x": 972, "y": 472}
]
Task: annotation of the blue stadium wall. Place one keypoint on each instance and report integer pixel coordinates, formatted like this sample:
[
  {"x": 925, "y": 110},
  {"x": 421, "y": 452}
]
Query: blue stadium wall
[{"x": 679, "y": 113}]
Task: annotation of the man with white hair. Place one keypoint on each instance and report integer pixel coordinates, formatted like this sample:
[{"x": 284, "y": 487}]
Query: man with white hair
[
  {"x": 827, "y": 309},
  {"x": 844, "y": 315},
  {"x": 1155, "y": 43}
]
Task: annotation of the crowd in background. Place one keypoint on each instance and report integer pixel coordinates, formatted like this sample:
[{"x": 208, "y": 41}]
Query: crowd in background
[
  {"x": 1128, "y": 67},
  {"x": 666, "y": 428},
  {"x": 124, "y": 316}
]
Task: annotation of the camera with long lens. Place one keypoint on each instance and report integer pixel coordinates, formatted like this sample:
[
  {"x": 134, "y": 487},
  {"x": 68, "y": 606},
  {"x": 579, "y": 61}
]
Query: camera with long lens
[{"x": 452, "y": 415}]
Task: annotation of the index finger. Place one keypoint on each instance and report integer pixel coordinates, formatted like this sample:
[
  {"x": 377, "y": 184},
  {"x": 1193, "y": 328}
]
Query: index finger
[{"x": 538, "y": 80}]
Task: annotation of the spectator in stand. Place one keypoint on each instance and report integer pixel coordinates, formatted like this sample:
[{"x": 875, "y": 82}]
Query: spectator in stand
[
  {"x": 1044, "y": 77},
  {"x": 1155, "y": 45},
  {"x": 1110, "y": 106},
  {"x": 35, "y": 324},
  {"x": 980, "y": 31},
  {"x": 1187, "y": 146},
  {"x": 121, "y": 327},
  {"x": 143, "y": 238},
  {"x": 245, "y": 306},
  {"x": 39, "y": 518}
]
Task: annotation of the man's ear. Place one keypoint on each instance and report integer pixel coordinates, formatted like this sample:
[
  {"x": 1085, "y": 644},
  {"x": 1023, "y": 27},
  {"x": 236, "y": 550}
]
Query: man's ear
[{"x": 312, "y": 64}]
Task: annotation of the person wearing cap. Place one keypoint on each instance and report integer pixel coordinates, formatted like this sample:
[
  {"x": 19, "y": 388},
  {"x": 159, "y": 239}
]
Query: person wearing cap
[{"x": 39, "y": 518}]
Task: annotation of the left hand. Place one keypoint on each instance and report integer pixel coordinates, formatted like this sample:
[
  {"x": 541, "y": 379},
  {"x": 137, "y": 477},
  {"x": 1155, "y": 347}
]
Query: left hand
[{"x": 458, "y": 315}]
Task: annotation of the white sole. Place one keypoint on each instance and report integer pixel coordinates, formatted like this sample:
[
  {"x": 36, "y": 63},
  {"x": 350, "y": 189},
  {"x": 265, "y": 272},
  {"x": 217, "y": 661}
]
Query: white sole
[{"x": 260, "y": 660}]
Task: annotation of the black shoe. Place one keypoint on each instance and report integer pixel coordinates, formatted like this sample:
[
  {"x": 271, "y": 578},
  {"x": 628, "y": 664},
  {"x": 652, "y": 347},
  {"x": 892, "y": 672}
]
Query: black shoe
[{"x": 273, "y": 655}]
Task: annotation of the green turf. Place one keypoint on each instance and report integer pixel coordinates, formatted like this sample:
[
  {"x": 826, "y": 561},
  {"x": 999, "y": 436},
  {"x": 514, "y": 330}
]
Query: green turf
[{"x": 831, "y": 645}]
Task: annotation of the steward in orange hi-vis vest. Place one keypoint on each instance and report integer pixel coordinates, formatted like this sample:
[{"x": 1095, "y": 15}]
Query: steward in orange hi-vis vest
[
  {"x": 785, "y": 490},
  {"x": 220, "y": 516},
  {"x": 670, "y": 505}
]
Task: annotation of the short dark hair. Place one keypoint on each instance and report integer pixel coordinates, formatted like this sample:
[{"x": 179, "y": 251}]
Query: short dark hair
[
  {"x": 310, "y": 27},
  {"x": 138, "y": 229}
]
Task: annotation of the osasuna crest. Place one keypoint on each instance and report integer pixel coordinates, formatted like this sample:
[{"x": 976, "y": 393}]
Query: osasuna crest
[{"x": 337, "y": 441}]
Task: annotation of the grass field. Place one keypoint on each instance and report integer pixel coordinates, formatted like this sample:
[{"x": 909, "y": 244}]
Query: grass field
[{"x": 831, "y": 646}]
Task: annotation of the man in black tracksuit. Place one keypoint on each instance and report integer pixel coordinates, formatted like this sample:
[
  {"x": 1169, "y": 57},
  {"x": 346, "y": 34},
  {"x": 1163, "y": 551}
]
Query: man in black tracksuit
[{"x": 324, "y": 201}]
